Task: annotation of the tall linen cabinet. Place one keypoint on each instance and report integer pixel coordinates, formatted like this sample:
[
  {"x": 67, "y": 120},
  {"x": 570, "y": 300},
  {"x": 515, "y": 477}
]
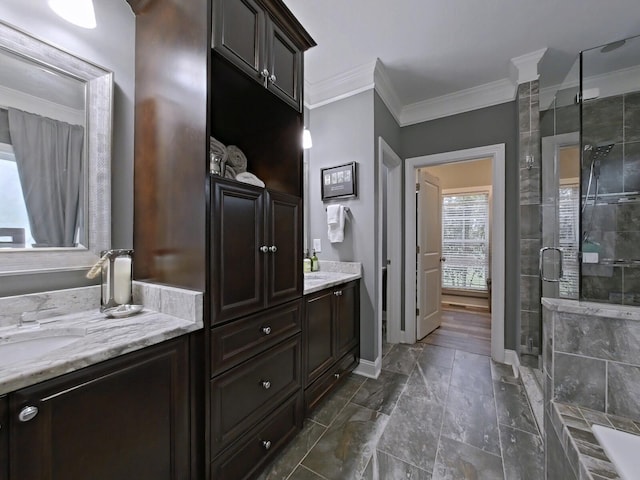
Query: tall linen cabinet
[{"x": 231, "y": 69}]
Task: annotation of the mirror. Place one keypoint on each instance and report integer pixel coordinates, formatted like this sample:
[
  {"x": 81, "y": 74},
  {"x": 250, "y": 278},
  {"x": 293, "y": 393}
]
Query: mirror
[{"x": 55, "y": 156}]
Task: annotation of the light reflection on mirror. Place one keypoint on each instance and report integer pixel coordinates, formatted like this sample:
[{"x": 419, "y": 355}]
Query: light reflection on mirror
[{"x": 42, "y": 153}]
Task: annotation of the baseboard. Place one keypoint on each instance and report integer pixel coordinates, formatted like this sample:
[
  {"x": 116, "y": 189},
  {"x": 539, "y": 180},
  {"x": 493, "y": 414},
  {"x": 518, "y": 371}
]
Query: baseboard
[
  {"x": 369, "y": 369},
  {"x": 511, "y": 358}
]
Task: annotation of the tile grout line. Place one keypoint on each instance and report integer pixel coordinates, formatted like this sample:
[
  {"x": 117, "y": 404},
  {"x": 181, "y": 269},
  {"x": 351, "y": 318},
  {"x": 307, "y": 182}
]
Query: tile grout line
[
  {"x": 495, "y": 405},
  {"x": 444, "y": 412}
]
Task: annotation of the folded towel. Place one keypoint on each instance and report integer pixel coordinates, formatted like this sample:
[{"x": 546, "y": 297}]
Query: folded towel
[
  {"x": 229, "y": 172},
  {"x": 250, "y": 178},
  {"x": 335, "y": 223},
  {"x": 236, "y": 159}
]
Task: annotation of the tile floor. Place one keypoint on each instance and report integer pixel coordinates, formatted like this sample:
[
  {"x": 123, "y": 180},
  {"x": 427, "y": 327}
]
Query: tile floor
[{"x": 434, "y": 413}]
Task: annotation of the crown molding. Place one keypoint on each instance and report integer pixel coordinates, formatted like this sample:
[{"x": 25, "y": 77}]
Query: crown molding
[
  {"x": 387, "y": 92},
  {"x": 487, "y": 95},
  {"x": 341, "y": 86},
  {"x": 524, "y": 68}
]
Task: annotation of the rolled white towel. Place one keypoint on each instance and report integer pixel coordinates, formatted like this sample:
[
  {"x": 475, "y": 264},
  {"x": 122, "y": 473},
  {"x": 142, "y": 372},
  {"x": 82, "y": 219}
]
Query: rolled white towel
[
  {"x": 236, "y": 159},
  {"x": 217, "y": 149},
  {"x": 247, "y": 177}
]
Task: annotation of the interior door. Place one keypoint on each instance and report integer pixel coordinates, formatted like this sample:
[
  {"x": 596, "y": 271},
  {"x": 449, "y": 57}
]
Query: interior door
[{"x": 429, "y": 252}]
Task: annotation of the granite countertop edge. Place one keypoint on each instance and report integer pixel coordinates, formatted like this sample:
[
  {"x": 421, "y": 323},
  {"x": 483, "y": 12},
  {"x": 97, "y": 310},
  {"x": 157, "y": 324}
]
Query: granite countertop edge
[
  {"x": 104, "y": 339},
  {"x": 337, "y": 278}
]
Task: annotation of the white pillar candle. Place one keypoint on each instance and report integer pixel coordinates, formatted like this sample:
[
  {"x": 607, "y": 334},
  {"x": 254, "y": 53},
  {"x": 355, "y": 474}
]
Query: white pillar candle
[{"x": 122, "y": 280}]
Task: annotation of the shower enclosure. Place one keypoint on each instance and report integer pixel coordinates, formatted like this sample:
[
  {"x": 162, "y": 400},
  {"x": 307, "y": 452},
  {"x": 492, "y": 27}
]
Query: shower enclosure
[{"x": 590, "y": 182}]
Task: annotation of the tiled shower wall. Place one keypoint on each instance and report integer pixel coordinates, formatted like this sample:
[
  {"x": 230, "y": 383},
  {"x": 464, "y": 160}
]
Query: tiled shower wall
[
  {"x": 614, "y": 226},
  {"x": 530, "y": 222}
]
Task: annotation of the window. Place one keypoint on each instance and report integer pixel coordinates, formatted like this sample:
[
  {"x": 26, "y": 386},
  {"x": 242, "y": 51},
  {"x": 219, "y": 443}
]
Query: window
[
  {"x": 465, "y": 241},
  {"x": 13, "y": 211},
  {"x": 569, "y": 207}
]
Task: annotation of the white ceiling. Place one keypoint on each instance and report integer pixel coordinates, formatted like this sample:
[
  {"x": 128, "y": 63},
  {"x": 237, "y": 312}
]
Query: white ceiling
[{"x": 431, "y": 48}]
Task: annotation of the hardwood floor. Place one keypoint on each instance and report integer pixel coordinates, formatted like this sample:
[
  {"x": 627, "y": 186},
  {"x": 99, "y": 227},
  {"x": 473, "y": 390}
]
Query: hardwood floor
[{"x": 464, "y": 330}]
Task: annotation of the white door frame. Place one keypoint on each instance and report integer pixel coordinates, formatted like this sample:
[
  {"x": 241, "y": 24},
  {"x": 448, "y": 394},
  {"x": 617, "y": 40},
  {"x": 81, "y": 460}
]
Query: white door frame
[
  {"x": 388, "y": 158},
  {"x": 497, "y": 155}
]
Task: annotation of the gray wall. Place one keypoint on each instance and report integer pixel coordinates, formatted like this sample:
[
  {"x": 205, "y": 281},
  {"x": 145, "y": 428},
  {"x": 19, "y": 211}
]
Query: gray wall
[
  {"x": 110, "y": 45},
  {"x": 343, "y": 132},
  {"x": 486, "y": 126}
]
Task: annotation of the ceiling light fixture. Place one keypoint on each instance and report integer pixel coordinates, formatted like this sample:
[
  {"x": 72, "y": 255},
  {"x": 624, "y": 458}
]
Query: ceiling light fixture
[
  {"x": 78, "y": 12},
  {"x": 306, "y": 139}
]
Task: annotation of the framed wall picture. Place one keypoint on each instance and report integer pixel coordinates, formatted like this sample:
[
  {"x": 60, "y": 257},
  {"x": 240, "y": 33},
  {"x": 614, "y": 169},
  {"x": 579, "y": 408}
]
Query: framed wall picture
[{"x": 339, "y": 182}]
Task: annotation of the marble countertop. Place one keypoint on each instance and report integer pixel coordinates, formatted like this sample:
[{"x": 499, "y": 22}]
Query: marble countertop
[
  {"x": 330, "y": 275},
  {"x": 104, "y": 338},
  {"x": 607, "y": 310}
]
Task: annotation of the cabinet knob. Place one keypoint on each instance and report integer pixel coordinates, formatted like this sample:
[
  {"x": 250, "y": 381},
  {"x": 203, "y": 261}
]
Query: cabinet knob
[
  {"x": 264, "y": 249},
  {"x": 336, "y": 375},
  {"x": 27, "y": 413},
  {"x": 338, "y": 293},
  {"x": 266, "y": 384},
  {"x": 265, "y": 73},
  {"x": 273, "y": 249},
  {"x": 266, "y": 330},
  {"x": 266, "y": 444},
  {"x": 272, "y": 78}
]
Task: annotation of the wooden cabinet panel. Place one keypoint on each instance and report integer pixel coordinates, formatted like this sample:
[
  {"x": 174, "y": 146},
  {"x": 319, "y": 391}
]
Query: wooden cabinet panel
[
  {"x": 242, "y": 396},
  {"x": 237, "y": 231},
  {"x": 327, "y": 381},
  {"x": 4, "y": 439},
  {"x": 285, "y": 64},
  {"x": 238, "y": 341},
  {"x": 239, "y": 33},
  {"x": 284, "y": 231},
  {"x": 319, "y": 335},
  {"x": 122, "y": 419},
  {"x": 347, "y": 317},
  {"x": 250, "y": 454}
]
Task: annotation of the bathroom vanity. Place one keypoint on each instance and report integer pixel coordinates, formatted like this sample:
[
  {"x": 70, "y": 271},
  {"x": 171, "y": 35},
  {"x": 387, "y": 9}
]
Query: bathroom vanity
[{"x": 113, "y": 401}]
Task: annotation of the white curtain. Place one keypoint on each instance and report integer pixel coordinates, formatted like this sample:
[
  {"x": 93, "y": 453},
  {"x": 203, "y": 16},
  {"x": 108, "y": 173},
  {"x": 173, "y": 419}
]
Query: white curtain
[{"x": 49, "y": 159}]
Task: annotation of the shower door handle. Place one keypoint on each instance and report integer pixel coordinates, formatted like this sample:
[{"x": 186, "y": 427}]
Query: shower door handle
[{"x": 543, "y": 250}]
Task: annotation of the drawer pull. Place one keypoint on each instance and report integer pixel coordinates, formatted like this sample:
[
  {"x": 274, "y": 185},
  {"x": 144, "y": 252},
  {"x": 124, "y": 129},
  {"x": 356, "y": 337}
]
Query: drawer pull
[
  {"x": 266, "y": 384},
  {"x": 273, "y": 249},
  {"x": 266, "y": 444},
  {"x": 336, "y": 375},
  {"x": 266, "y": 330},
  {"x": 338, "y": 293},
  {"x": 27, "y": 413}
]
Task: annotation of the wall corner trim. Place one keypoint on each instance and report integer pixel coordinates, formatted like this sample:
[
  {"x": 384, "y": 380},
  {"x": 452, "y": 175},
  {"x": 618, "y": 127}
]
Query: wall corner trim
[
  {"x": 524, "y": 68},
  {"x": 369, "y": 369}
]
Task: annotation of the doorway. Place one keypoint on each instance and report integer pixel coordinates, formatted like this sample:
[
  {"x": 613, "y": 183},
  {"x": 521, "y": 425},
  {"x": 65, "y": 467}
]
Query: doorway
[
  {"x": 496, "y": 156},
  {"x": 459, "y": 217}
]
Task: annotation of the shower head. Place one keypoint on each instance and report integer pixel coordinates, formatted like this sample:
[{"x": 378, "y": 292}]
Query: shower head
[{"x": 600, "y": 152}]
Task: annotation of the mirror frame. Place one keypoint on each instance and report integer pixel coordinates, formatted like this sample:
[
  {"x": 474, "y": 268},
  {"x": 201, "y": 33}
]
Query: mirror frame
[{"x": 97, "y": 204}]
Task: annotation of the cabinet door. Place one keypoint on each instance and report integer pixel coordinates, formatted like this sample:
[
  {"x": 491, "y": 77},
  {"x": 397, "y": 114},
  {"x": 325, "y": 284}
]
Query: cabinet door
[
  {"x": 123, "y": 419},
  {"x": 318, "y": 335},
  {"x": 347, "y": 317},
  {"x": 4, "y": 439},
  {"x": 238, "y": 33},
  {"x": 237, "y": 263},
  {"x": 285, "y": 66},
  {"x": 284, "y": 231}
]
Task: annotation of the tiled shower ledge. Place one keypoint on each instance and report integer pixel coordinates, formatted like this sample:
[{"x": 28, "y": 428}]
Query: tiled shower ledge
[{"x": 586, "y": 456}]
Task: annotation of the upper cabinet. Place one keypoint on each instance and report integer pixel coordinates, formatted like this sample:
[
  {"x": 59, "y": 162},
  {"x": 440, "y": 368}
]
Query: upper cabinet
[{"x": 262, "y": 38}]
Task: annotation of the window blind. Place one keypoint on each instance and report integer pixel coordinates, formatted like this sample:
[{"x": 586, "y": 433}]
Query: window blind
[
  {"x": 568, "y": 241},
  {"x": 465, "y": 241}
]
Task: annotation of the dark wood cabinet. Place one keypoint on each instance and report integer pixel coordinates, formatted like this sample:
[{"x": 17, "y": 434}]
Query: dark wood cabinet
[
  {"x": 122, "y": 419},
  {"x": 331, "y": 333},
  {"x": 4, "y": 439},
  {"x": 259, "y": 38},
  {"x": 256, "y": 249}
]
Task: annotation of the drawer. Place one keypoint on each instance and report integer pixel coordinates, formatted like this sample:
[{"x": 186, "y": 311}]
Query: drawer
[
  {"x": 242, "y": 396},
  {"x": 329, "y": 380},
  {"x": 238, "y": 341},
  {"x": 250, "y": 454}
]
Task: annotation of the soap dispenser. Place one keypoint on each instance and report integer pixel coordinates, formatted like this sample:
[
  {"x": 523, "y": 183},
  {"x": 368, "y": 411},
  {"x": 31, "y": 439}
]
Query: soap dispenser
[
  {"x": 306, "y": 263},
  {"x": 315, "y": 266}
]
